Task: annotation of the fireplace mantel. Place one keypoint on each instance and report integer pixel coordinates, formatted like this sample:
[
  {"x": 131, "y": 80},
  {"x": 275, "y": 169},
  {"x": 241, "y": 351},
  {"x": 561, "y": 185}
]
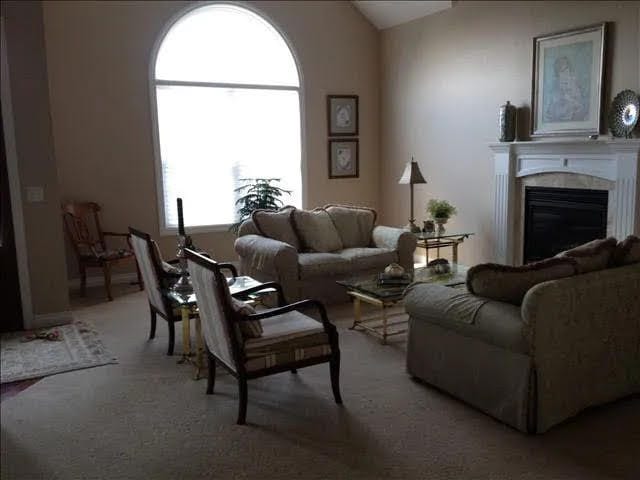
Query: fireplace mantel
[{"x": 614, "y": 160}]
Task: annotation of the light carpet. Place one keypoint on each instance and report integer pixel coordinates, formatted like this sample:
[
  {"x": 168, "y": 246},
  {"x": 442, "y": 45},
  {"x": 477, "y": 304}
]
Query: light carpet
[
  {"x": 77, "y": 346},
  {"x": 145, "y": 418}
]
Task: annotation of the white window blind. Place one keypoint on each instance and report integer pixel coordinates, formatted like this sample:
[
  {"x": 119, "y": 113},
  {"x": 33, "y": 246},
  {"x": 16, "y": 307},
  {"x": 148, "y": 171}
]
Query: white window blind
[{"x": 228, "y": 108}]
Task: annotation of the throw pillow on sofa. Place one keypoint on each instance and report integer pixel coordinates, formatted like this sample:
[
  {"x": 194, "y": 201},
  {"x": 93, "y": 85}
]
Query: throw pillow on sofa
[
  {"x": 316, "y": 231},
  {"x": 354, "y": 224},
  {"x": 277, "y": 225},
  {"x": 627, "y": 251},
  {"x": 509, "y": 284},
  {"x": 593, "y": 255}
]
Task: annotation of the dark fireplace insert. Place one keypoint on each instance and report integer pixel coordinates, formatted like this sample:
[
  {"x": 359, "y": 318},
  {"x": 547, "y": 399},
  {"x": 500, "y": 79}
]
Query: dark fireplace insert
[{"x": 557, "y": 219}]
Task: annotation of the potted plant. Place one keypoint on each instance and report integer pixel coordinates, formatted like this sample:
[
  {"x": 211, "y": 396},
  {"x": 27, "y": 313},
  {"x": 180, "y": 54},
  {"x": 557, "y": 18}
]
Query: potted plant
[
  {"x": 257, "y": 194},
  {"x": 440, "y": 211}
]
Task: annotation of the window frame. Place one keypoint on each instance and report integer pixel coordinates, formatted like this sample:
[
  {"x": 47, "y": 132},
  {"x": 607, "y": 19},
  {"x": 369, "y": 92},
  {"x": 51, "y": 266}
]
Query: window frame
[{"x": 163, "y": 228}]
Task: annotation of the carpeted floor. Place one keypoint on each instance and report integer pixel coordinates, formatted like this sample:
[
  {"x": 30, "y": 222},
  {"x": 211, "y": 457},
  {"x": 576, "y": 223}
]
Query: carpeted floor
[{"x": 145, "y": 418}]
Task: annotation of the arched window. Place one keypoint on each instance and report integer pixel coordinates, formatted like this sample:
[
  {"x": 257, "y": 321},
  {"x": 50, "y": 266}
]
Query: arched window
[{"x": 227, "y": 103}]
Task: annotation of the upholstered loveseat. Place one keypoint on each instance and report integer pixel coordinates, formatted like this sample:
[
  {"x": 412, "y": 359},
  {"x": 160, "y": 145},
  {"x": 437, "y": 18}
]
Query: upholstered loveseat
[
  {"x": 530, "y": 352},
  {"x": 306, "y": 251}
]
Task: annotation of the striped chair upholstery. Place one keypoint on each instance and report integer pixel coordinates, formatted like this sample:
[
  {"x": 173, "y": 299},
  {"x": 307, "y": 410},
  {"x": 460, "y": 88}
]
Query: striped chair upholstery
[{"x": 288, "y": 339}]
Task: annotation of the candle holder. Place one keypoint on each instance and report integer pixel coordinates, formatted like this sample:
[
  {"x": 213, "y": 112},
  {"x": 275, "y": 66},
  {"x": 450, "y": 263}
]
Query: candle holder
[{"x": 183, "y": 285}]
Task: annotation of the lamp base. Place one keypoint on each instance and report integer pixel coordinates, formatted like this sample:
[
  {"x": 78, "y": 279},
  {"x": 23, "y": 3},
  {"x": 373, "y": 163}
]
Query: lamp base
[{"x": 412, "y": 227}]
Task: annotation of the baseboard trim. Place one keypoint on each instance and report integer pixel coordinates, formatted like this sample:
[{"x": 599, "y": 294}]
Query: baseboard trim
[
  {"x": 44, "y": 320},
  {"x": 98, "y": 281}
]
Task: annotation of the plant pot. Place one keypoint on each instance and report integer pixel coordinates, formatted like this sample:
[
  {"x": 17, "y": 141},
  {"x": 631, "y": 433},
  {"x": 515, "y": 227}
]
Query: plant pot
[{"x": 440, "y": 221}]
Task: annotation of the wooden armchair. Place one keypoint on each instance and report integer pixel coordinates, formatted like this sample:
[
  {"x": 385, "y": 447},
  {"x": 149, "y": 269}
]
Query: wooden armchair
[
  {"x": 288, "y": 340},
  {"x": 82, "y": 224}
]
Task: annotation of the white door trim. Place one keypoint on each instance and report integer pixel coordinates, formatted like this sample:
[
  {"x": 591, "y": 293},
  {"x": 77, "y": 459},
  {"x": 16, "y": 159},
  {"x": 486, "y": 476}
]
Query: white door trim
[{"x": 15, "y": 189}]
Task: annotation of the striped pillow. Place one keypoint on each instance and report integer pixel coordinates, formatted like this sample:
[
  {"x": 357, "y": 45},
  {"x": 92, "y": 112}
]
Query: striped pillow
[{"x": 249, "y": 329}]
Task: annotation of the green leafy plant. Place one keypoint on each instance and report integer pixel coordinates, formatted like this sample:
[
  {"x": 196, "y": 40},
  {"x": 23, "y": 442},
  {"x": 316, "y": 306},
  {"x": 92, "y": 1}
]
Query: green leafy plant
[
  {"x": 257, "y": 194},
  {"x": 440, "y": 209}
]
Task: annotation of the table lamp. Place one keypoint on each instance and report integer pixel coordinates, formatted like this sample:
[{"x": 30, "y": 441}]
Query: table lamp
[{"x": 412, "y": 176}]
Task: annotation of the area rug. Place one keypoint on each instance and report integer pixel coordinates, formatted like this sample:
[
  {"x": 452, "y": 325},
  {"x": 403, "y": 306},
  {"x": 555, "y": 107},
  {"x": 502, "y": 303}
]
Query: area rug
[{"x": 55, "y": 350}]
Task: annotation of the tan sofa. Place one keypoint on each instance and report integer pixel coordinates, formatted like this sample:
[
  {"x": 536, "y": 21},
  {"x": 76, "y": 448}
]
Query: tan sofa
[
  {"x": 351, "y": 241},
  {"x": 572, "y": 343}
]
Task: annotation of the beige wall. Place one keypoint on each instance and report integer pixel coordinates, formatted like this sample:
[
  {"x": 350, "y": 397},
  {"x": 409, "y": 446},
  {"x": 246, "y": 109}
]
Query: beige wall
[
  {"x": 98, "y": 55},
  {"x": 36, "y": 160},
  {"x": 443, "y": 80}
]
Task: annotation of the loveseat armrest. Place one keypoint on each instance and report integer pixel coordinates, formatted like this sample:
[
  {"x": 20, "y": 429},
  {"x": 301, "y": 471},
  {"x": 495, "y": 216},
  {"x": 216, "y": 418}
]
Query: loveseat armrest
[
  {"x": 397, "y": 239},
  {"x": 584, "y": 339}
]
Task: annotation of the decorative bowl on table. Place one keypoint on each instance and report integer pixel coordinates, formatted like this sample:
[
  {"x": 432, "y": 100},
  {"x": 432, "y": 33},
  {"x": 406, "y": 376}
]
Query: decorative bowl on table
[{"x": 439, "y": 266}]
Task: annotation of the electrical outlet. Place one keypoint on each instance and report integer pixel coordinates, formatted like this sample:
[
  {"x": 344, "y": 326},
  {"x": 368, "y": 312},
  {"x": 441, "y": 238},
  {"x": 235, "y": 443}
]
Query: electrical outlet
[{"x": 35, "y": 194}]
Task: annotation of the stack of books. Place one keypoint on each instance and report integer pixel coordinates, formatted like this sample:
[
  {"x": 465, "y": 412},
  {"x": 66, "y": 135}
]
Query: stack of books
[{"x": 394, "y": 281}]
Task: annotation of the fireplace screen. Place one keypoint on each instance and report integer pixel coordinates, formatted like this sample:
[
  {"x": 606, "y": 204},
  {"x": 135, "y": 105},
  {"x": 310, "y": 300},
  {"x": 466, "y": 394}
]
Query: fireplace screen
[{"x": 557, "y": 219}]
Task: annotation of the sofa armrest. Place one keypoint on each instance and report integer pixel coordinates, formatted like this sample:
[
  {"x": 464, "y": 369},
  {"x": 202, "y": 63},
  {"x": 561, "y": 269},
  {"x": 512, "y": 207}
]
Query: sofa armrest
[
  {"x": 584, "y": 339},
  {"x": 397, "y": 239},
  {"x": 266, "y": 254}
]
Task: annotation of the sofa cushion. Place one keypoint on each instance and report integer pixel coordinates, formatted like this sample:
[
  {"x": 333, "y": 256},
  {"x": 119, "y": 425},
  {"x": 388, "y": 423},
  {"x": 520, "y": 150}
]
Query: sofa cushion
[
  {"x": 369, "y": 258},
  {"x": 627, "y": 251},
  {"x": 277, "y": 225},
  {"x": 509, "y": 284},
  {"x": 354, "y": 224},
  {"x": 248, "y": 328},
  {"x": 316, "y": 231},
  {"x": 322, "y": 265},
  {"x": 497, "y": 323},
  {"x": 593, "y": 255}
]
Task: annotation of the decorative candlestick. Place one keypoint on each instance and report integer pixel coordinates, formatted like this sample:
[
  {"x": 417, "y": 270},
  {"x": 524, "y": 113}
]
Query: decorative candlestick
[{"x": 183, "y": 285}]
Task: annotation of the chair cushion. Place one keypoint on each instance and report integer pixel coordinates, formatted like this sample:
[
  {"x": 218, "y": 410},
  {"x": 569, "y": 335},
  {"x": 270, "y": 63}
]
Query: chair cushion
[
  {"x": 627, "y": 251},
  {"x": 509, "y": 284},
  {"x": 248, "y": 328},
  {"x": 322, "y": 264},
  {"x": 286, "y": 338},
  {"x": 592, "y": 256},
  {"x": 316, "y": 231},
  {"x": 369, "y": 258},
  {"x": 277, "y": 225},
  {"x": 354, "y": 224},
  {"x": 108, "y": 254}
]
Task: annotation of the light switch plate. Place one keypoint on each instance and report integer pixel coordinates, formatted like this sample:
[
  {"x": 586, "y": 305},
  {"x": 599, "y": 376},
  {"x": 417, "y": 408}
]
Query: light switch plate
[{"x": 35, "y": 194}]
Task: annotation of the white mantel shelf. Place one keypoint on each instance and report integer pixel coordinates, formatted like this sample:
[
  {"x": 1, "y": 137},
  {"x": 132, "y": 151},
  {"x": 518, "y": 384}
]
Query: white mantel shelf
[{"x": 615, "y": 160}]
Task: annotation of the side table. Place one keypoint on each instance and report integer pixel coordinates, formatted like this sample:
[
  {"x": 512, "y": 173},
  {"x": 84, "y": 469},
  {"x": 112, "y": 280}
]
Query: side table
[{"x": 430, "y": 241}]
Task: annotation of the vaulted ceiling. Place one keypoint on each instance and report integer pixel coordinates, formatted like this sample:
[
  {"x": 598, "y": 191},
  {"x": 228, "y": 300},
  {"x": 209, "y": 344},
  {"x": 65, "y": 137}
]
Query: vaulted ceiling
[{"x": 386, "y": 14}]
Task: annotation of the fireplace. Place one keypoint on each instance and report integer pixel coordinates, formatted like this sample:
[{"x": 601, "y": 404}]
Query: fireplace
[{"x": 557, "y": 219}]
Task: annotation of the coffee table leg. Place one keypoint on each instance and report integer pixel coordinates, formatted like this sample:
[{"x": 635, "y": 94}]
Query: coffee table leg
[
  {"x": 199, "y": 348},
  {"x": 455, "y": 252},
  {"x": 186, "y": 335},
  {"x": 384, "y": 325},
  {"x": 356, "y": 313}
]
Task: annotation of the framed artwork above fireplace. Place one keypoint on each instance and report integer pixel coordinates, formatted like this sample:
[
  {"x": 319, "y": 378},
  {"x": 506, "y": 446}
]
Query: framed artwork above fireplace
[{"x": 568, "y": 75}]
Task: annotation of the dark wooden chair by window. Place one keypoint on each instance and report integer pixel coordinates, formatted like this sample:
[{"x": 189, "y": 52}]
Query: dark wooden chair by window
[
  {"x": 82, "y": 224},
  {"x": 284, "y": 340}
]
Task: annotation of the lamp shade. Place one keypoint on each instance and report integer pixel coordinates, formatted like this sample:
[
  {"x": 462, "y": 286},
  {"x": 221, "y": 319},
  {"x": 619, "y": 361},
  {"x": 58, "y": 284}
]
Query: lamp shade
[{"x": 412, "y": 174}]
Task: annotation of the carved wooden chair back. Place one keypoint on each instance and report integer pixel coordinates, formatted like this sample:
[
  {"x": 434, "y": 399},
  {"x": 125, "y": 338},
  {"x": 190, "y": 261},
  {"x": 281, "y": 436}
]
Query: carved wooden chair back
[{"x": 82, "y": 223}]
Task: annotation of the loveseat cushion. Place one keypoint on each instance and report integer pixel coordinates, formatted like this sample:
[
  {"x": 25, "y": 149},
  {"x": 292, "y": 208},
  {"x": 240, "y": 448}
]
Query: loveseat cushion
[
  {"x": 354, "y": 224},
  {"x": 497, "y": 323},
  {"x": 593, "y": 255},
  {"x": 313, "y": 265},
  {"x": 627, "y": 251},
  {"x": 316, "y": 231},
  {"x": 369, "y": 258},
  {"x": 509, "y": 284},
  {"x": 277, "y": 225}
]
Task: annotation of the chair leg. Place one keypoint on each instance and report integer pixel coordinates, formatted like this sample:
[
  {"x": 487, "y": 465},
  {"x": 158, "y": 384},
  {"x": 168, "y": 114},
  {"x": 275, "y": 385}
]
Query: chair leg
[
  {"x": 152, "y": 332},
  {"x": 106, "y": 269},
  {"x": 83, "y": 281},
  {"x": 242, "y": 406},
  {"x": 172, "y": 337},
  {"x": 293, "y": 370},
  {"x": 334, "y": 367},
  {"x": 211, "y": 380}
]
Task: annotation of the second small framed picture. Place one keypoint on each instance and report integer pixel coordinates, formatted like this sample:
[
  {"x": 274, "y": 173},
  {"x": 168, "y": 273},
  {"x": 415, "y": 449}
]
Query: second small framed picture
[
  {"x": 342, "y": 115},
  {"x": 343, "y": 158}
]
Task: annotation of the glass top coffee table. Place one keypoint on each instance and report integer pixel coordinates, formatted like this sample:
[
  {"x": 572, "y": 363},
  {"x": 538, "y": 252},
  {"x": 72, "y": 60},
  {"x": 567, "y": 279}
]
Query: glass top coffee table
[{"x": 367, "y": 289}]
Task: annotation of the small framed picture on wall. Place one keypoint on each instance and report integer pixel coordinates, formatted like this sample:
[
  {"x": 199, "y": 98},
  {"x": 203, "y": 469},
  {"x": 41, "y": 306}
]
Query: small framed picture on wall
[
  {"x": 342, "y": 115},
  {"x": 343, "y": 158}
]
